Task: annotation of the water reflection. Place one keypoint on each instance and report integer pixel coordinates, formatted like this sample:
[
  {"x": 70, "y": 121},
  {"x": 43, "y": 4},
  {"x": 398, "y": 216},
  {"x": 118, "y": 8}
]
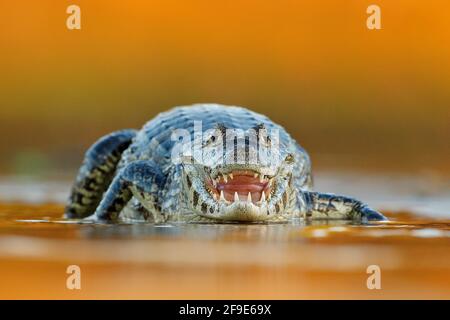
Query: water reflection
[
  {"x": 210, "y": 260},
  {"x": 189, "y": 231},
  {"x": 298, "y": 230}
]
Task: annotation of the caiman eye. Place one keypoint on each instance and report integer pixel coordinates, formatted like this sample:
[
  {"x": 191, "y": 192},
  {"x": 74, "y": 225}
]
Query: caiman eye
[
  {"x": 211, "y": 140},
  {"x": 289, "y": 158},
  {"x": 265, "y": 139},
  {"x": 214, "y": 138}
]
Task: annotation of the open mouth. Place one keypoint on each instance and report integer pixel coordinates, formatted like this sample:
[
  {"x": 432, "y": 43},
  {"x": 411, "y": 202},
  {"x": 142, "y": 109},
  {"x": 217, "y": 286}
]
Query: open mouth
[{"x": 241, "y": 185}]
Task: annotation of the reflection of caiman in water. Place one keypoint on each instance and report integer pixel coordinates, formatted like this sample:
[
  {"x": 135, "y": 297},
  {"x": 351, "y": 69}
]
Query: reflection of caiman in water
[{"x": 134, "y": 175}]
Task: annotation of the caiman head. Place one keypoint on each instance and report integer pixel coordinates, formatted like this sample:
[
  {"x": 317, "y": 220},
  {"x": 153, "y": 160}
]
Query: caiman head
[{"x": 236, "y": 175}]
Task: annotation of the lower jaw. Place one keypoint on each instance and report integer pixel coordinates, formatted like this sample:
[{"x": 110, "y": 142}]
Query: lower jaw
[
  {"x": 244, "y": 212},
  {"x": 239, "y": 218},
  {"x": 241, "y": 188}
]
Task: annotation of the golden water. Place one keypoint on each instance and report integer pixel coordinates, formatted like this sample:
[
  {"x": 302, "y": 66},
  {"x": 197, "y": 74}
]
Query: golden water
[{"x": 299, "y": 260}]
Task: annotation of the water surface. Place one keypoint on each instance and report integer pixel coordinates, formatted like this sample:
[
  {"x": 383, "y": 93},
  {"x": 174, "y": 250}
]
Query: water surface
[{"x": 325, "y": 259}]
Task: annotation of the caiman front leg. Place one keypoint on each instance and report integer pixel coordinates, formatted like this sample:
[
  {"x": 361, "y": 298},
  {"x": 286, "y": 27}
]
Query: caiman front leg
[
  {"x": 330, "y": 206},
  {"x": 96, "y": 173},
  {"x": 144, "y": 180}
]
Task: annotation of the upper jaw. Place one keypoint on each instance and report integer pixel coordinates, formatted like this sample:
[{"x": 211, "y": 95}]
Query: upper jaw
[
  {"x": 230, "y": 168},
  {"x": 240, "y": 184}
]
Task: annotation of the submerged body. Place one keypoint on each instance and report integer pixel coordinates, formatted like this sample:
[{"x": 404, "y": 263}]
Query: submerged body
[{"x": 204, "y": 162}]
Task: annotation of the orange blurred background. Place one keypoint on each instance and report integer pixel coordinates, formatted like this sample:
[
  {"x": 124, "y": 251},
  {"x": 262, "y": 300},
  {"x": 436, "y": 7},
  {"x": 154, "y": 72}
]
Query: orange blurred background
[{"x": 353, "y": 97}]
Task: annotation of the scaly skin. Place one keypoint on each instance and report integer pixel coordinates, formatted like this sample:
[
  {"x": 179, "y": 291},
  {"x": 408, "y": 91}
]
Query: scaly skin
[{"x": 144, "y": 175}]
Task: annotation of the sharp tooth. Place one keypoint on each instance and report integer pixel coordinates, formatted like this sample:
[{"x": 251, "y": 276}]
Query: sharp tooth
[
  {"x": 263, "y": 197},
  {"x": 261, "y": 178},
  {"x": 225, "y": 178},
  {"x": 249, "y": 197},
  {"x": 214, "y": 183},
  {"x": 215, "y": 196},
  {"x": 231, "y": 176},
  {"x": 236, "y": 197},
  {"x": 255, "y": 175},
  {"x": 222, "y": 198}
]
